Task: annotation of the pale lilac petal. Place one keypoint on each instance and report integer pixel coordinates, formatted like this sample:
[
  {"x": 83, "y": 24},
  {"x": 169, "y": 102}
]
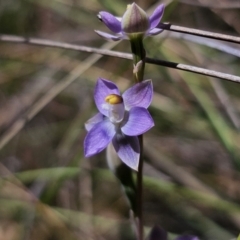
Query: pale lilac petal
[
  {"x": 127, "y": 149},
  {"x": 93, "y": 121},
  {"x": 155, "y": 31},
  {"x": 156, "y": 16},
  {"x": 110, "y": 21},
  {"x": 139, "y": 121},
  {"x": 187, "y": 237},
  {"x": 108, "y": 36},
  {"x": 139, "y": 95},
  {"x": 98, "y": 138},
  {"x": 102, "y": 90}
]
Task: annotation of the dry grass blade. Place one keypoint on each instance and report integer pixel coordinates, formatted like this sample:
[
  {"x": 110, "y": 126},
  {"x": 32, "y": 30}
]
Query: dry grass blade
[
  {"x": 53, "y": 92},
  {"x": 226, "y": 102},
  {"x": 21, "y": 193}
]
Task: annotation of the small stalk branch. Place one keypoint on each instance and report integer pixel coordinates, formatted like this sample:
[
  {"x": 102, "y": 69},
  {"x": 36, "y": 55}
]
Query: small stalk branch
[
  {"x": 106, "y": 52},
  {"x": 201, "y": 33}
]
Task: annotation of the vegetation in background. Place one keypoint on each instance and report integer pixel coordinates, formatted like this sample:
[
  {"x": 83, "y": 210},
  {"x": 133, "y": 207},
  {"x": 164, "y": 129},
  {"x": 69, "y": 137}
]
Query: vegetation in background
[{"x": 48, "y": 190}]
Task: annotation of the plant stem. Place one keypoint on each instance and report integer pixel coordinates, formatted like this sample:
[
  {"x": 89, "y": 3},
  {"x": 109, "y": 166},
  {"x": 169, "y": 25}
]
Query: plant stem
[
  {"x": 140, "y": 189},
  {"x": 139, "y": 55}
]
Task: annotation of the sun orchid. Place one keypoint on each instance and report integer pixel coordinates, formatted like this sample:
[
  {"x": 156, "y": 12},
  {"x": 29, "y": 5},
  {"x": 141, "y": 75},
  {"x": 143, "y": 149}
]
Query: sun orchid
[
  {"x": 134, "y": 22},
  {"x": 158, "y": 233},
  {"x": 120, "y": 120}
]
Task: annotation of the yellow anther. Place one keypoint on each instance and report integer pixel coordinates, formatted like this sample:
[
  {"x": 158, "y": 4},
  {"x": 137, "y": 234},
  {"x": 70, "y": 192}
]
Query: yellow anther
[{"x": 113, "y": 99}]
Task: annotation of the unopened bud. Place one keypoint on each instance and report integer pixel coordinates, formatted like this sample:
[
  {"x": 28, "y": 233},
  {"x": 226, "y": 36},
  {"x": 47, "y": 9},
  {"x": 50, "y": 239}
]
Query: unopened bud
[{"x": 135, "y": 20}]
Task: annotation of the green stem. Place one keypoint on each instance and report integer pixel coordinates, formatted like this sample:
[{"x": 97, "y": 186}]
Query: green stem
[
  {"x": 140, "y": 189},
  {"x": 139, "y": 55}
]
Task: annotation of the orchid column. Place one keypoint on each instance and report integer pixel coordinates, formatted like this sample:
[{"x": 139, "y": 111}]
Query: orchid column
[{"x": 134, "y": 26}]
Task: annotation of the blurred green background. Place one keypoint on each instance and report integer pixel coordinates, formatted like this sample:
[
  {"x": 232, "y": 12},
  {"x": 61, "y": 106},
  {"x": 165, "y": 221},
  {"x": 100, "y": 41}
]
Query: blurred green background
[{"x": 48, "y": 190}]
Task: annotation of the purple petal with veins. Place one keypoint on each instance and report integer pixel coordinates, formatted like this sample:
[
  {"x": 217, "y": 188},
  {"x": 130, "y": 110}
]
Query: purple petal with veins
[
  {"x": 139, "y": 121},
  {"x": 156, "y": 17},
  {"x": 127, "y": 149},
  {"x": 139, "y": 95},
  {"x": 110, "y": 21},
  {"x": 99, "y": 137},
  {"x": 93, "y": 121}
]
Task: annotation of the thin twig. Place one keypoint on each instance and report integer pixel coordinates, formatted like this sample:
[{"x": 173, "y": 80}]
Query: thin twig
[
  {"x": 201, "y": 33},
  {"x": 214, "y": 4},
  {"x": 105, "y": 52},
  {"x": 55, "y": 44},
  {"x": 189, "y": 68}
]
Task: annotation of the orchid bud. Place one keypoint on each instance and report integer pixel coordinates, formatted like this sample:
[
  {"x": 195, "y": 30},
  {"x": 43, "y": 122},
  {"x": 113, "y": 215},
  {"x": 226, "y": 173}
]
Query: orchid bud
[
  {"x": 135, "y": 20},
  {"x": 157, "y": 233}
]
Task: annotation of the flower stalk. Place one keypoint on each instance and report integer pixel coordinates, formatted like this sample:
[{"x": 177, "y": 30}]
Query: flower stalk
[
  {"x": 134, "y": 25},
  {"x": 135, "y": 17},
  {"x": 139, "y": 55}
]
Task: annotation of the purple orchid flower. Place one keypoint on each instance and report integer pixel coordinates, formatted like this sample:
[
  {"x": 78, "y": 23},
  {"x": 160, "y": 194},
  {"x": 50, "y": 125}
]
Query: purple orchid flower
[
  {"x": 158, "y": 233},
  {"x": 121, "y": 120},
  {"x": 187, "y": 237},
  {"x": 134, "y": 21}
]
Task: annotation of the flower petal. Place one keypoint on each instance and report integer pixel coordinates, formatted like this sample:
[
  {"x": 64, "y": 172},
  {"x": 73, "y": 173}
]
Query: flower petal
[
  {"x": 98, "y": 138},
  {"x": 102, "y": 90},
  {"x": 110, "y": 21},
  {"x": 93, "y": 121},
  {"x": 127, "y": 149},
  {"x": 157, "y": 233},
  {"x": 187, "y": 237},
  {"x": 156, "y": 16},
  {"x": 154, "y": 31},
  {"x": 139, "y": 121},
  {"x": 108, "y": 36},
  {"x": 139, "y": 95}
]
